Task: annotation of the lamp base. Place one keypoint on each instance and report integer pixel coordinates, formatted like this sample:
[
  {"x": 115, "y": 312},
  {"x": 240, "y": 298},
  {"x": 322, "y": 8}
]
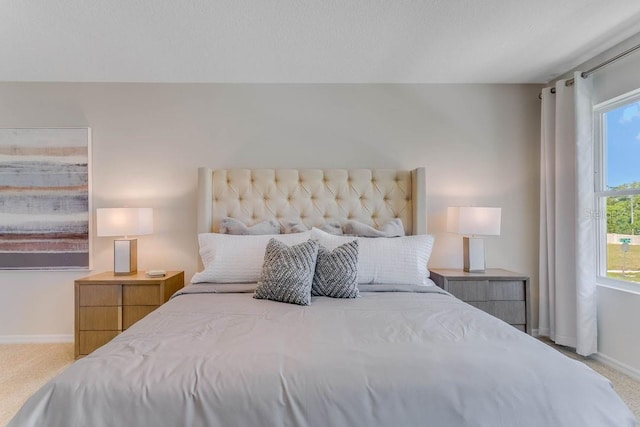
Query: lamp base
[
  {"x": 473, "y": 251},
  {"x": 125, "y": 257}
]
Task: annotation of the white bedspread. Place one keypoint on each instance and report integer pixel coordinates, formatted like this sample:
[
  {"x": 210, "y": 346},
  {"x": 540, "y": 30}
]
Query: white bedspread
[{"x": 385, "y": 359}]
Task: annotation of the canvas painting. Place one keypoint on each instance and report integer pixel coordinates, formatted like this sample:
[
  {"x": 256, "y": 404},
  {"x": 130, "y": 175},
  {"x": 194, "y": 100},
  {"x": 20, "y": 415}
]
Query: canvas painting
[{"x": 44, "y": 199}]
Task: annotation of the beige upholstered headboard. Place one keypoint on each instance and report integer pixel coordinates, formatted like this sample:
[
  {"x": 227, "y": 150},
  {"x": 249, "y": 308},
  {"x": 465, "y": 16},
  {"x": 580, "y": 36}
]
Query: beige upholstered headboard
[{"x": 312, "y": 196}]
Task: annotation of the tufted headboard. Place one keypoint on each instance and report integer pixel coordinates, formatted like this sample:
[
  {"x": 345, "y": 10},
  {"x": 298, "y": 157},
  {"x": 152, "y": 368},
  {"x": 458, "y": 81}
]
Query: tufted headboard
[{"x": 312, "y": 196}]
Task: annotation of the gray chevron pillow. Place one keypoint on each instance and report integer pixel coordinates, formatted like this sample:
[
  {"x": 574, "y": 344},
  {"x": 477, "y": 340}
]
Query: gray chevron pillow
[
  {"x": 336, "y": 273},
  {"x": 287, "y": 272}
]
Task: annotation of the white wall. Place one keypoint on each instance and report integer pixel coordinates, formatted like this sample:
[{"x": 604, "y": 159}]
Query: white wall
[
  {"x": 618, "y": 336},
  {"x": 618, "y": 310},
  {"x": 619, "y": 77},
  {"x": 478, "y": 142}
]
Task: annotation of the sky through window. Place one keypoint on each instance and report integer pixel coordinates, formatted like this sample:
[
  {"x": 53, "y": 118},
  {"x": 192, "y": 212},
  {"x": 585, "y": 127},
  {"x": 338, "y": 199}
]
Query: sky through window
[{"x": 623, "y": 145}]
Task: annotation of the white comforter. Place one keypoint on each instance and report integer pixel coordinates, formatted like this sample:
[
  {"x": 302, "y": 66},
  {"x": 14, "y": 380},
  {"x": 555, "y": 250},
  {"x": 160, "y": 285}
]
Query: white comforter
[{"x": 385, "y": 359}]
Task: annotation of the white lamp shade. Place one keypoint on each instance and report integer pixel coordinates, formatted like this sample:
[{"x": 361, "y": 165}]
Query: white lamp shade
[
  {"x": 474, "y": 221},
  {"x": 124, "y": 221}
]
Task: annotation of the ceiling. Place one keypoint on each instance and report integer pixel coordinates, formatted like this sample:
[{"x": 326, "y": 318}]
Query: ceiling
[{"x": 321, "y": 41}]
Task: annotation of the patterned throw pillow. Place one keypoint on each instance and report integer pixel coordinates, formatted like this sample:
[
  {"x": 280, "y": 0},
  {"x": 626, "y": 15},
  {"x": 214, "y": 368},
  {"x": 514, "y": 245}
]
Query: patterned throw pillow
[
  {"x": 287, "y": 272},
  {"x": 336, "y": 273}
]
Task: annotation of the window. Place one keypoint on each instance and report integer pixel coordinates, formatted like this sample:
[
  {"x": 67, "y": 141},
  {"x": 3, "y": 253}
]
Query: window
[{"x": 617, "y": 135}]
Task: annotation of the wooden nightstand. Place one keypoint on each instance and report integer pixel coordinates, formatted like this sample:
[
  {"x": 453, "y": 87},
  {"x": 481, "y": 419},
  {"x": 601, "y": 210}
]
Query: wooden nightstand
[
  {"x": 107, "y": 305},
  {"x": 501, "y": 293}
]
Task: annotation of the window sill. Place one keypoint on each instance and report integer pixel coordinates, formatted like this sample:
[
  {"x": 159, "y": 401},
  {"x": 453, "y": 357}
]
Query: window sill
[{"x": 619, "y": 285}]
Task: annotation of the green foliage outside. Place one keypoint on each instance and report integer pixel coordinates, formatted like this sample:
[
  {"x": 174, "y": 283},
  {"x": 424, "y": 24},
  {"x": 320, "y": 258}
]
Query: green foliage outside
[
  {"x": 623, "y": 217},
  {"x": 623, "y": 212}
]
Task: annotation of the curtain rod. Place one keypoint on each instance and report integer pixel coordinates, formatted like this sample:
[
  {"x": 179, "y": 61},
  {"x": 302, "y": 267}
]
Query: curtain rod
[{"x": 590, "y": 71}]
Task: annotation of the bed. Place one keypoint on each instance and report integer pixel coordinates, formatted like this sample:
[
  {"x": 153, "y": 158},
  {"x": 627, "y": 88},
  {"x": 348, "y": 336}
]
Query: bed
[{"x": 400, "y": 354}]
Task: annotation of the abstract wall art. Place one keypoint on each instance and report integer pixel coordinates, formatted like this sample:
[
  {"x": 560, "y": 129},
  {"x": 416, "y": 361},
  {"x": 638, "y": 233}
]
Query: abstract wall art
[{"x": 45, "y": 198}]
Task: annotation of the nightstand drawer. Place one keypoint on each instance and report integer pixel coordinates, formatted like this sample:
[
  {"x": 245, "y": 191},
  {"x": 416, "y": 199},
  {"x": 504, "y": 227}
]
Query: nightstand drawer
[
  {"x": 507, "y": 290},
  {"x": 99, "y": 295},
  {"x": 488, "y": 290},
  {"x": 469, "y": 290},
  {"x": 89, "y": 341},
  {"x": 510, "y": 311},
  {"x": 501, "y": 293},
  {"x": 141, "y": 295},
  {"x": 132, "y": 313},
  {"x": 100, "y": 318},
  {"x": 107, "y": 304}
]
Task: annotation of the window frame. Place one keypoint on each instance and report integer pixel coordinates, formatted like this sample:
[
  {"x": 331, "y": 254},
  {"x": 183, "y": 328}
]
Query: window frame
[{"x": 601, "y": 193}]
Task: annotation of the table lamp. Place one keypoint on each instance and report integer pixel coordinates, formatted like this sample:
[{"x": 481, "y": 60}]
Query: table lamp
[
  {"x": 473, "y": 222},
  {"x": 124, "y": 222}
]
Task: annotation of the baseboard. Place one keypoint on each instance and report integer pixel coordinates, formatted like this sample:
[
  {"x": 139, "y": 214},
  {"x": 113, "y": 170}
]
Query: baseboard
[
  {"x": 35, "y": 339},
  {"x": 618, "y": 366},
  {"x": 535, "y": 333}
]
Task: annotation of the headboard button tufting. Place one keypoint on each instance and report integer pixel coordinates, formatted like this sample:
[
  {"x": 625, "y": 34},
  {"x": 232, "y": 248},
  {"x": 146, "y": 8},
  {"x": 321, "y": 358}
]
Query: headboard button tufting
[{"x": 323, "y": 195}]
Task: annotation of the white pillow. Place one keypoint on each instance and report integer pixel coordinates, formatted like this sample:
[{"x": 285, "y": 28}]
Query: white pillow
[
  {"x": 396, "y": 260},
  {"x": 229, "y": 258}
]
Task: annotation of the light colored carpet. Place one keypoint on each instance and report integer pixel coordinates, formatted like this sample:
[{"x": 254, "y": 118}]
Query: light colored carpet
[{"x": 26, "y": 367}]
